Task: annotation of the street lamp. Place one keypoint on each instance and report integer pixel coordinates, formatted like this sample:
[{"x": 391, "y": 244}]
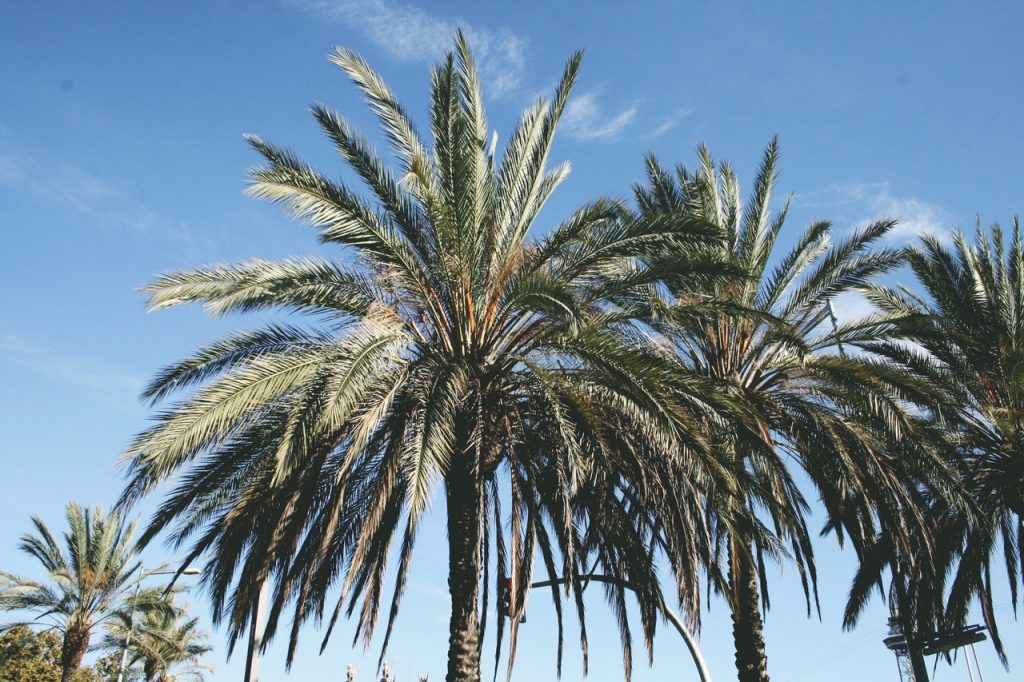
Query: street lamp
[{"x": 131, "y": 615}]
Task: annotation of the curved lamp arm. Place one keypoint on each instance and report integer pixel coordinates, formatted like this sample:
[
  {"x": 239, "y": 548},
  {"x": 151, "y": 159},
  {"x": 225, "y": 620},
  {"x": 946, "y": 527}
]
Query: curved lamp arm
[{"x": 670, "y": 615}]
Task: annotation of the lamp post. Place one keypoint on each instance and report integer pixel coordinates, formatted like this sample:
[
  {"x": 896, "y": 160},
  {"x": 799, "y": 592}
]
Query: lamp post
[
  {"x": 256, "y": 631},
  {"x": 131, "y": 614}
]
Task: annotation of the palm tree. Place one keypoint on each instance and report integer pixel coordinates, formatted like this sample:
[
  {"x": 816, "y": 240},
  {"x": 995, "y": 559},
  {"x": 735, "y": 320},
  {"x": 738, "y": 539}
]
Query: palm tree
[
  {"x": 87, "y": 581},
  {"x": 964, "y": 331},
  {"x": 798, "y": 395},
  {"x": 166, "y": 643},
  {"x": 452, "y": 350}
]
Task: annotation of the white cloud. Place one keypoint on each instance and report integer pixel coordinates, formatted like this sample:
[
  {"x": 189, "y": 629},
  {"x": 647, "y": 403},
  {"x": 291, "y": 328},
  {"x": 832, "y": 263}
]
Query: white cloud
[
  {"x": 670, "y": 122},
  {"x": 870, "y": 201},
  {"x": 413, "y": 34},
  {"x": 85, "y": 373},
  {"x": 62, "y": 183},
  {"x": 585, "y": 119},
  {"x": 56, "y": 182}
]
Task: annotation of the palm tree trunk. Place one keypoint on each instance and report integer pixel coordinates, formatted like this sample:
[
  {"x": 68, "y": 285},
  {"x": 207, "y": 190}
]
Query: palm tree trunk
[
  {"x": 463, "y": 498},
  {"x": 151, "y": 668},
  {"x": 747, "y": 626},
  {"x": 76, "y": 643}
]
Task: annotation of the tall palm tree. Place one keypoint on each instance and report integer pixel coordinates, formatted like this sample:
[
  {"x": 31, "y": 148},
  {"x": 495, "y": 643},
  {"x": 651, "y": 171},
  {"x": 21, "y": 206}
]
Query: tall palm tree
[
  {"x": 801, "y": 395},
  {"x": 87, "y": 581},
  {"x": 965, "y": 328},
  {"x": 449, "y": 350},
  {"x": 166, "y": 644}
]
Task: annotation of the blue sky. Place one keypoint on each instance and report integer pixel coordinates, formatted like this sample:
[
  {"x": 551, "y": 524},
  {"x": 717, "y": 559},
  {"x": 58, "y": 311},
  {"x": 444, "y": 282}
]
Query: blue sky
[{"x": 121, "y": 156}]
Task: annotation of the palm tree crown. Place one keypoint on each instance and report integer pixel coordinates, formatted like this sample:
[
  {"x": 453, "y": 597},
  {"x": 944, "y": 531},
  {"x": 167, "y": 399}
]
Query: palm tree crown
[
  {"x": 452, "y": 349},
  {"x": 165, "y": 643},
  {"x": 797, "y": 395},
  {"x": 87, "y": 580},
  {"x": 966, "y": 334}
]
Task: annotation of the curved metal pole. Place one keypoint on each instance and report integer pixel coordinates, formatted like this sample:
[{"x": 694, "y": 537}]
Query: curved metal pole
[
  {"x": 691, "y": 643},
  {"x": 669, "y": 615}
]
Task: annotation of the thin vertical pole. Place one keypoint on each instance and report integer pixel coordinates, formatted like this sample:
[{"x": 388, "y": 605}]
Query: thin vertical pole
[
  {"x": 977, "y": 664},
  {"x": 256, "y": 632},
  {"x": 128, "y": 637},
  {"x": 970, "y": 668}
]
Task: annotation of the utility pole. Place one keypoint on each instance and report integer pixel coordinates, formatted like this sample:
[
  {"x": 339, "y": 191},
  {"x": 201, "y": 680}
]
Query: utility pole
[
  {"x": 896, "y": 642},
  {"x": 903, "y": 640}
]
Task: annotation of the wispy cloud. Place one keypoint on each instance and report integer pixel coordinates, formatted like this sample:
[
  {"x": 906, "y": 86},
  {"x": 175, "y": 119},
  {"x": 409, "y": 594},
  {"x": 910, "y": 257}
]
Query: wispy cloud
[
  {"x": 670, "y": 122},
  {"x": 413, "y": 34},
  {"x": 57, "y": 182},
  {"x": 586, "y": 119},
  {"x": 435, "y": 593},
  {"x": 85, "y": 373},
  {"x": 432, "y": 590},
  {"x": 865, "y": 202}
]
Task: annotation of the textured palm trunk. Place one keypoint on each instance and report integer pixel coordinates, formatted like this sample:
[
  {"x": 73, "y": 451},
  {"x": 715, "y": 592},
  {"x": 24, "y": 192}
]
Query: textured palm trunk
[
  {"x": 747, "y": 626},
  {"x": 152, "y": 670},
  {"x": 76, "y": 643},
  {"x": 463, "y": 498}
]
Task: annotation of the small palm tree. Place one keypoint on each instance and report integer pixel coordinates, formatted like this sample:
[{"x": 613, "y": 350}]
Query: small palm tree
[
  {"x": 965, "y": 329},
  {"x": 454, "y": 352},
  {"x": 87, "y": 581},
  {"x": 166, "y": 644},
  {"x": 797, "y": 395}
]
